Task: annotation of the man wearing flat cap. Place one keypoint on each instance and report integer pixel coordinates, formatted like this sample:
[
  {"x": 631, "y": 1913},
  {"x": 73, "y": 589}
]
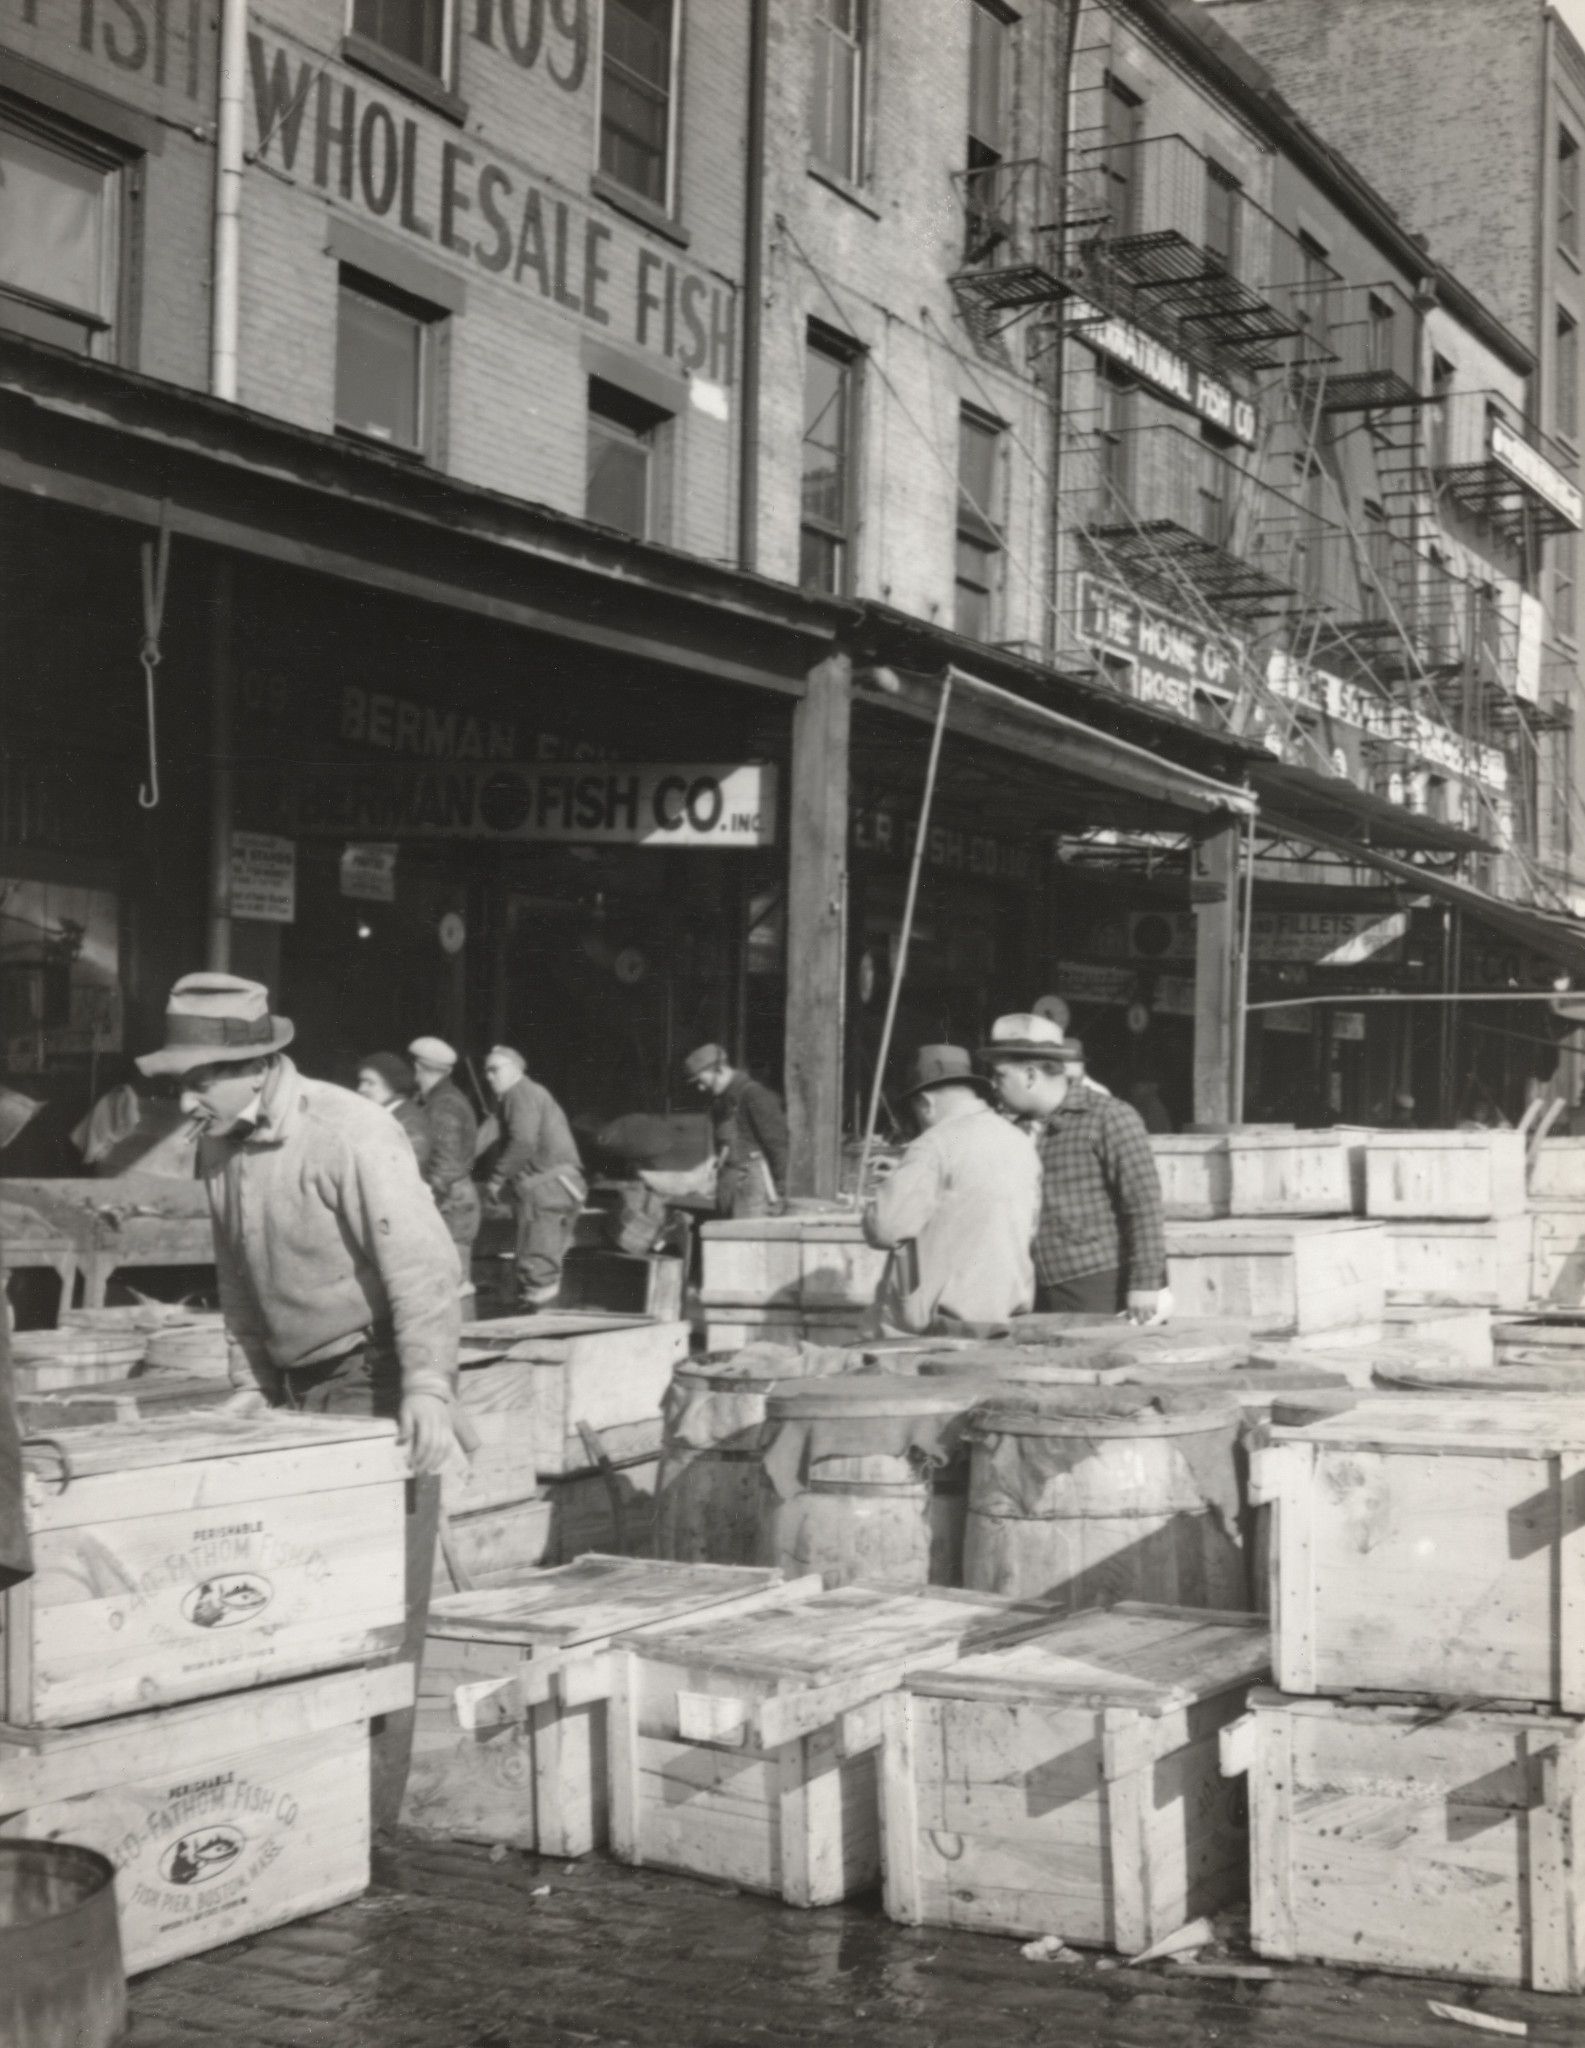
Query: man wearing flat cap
[
  {"x": 958, "y": 1210},
  {"x": 539, "y": 1162},
  {"x": 453, "y": 1141},
  {"x": 338, "y": 1281},
  {"x": 750, "y": 1127},
  {"x": 1100, "y": 1247}
]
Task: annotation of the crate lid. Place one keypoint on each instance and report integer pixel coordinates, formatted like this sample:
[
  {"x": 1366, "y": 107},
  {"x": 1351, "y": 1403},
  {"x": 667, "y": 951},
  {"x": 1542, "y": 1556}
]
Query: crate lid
[
  {"x": 593, "y": 1597},
  {"x": 1444, "y": 1141},
  {"x": 1258, "y": 1139},
  {"x": 1133, "y": 1655},
  {"x": 1223, "y": 1236},
  {"x": 186, "y": 1438},
  {"x": 839, "y": 1634},
  {"x": 1527, "y": 1425}
]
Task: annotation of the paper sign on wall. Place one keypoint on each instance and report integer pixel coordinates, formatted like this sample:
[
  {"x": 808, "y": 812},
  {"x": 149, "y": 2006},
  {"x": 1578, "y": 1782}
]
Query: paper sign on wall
[
  {"x": 263, "y": 877},
  {"x": 368, "y": 870}
]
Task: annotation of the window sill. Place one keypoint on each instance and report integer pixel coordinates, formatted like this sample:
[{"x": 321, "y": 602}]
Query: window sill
[
  {"x": 834, "y": 182},
  {"x": 407, "y": 78},
  {"x": 371, "y": 444},
  {"x": 638, "y": 208}
]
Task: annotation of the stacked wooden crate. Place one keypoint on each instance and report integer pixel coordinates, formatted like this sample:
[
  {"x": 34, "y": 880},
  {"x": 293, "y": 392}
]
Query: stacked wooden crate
[
  {"x": 1557, "y": 1210},
  {"x": 566, "y": 1408},
  {"x": 187, "y": 1681},
  {"x": 782, "y": 1279},
  {"x": 1453, "y": 1207},
  {"x": 1415, "y": 1785}
]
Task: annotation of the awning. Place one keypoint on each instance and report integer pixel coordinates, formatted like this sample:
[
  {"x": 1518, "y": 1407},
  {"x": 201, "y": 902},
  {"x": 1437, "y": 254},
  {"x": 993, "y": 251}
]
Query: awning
[
  {"x": 1561, "y": 938},
  {"x": 1295, "y": 801}
]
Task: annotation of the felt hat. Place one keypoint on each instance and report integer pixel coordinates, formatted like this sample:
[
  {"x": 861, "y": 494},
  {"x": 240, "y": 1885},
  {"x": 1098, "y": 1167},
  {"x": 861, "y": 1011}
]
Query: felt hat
[
  {"x": 703, "y": 1058},
  {"x": 211, "y": 1018},
  {"x": 1025, "y": 1035},
  {"x": 432, "y": 1052},
  {"x": 392, "y": 1069},
  {"x": 944, "y": 1066}
]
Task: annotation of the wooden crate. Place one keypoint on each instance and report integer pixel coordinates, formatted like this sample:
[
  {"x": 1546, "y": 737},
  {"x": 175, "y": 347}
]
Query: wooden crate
[
  {"x": 1295, "y": 1173},
  {"x": 1430, "y": 1543},
  {"x": 194, "y": 1554},
  {"x": 611, "y": 1376},
  {"x": 500, "y": 1753},
  {"x": 1557, "y": 1171},
  {"x": 584, "y": 1510},
  {"x": 1557, "y": 1275},
  {"x": 223, "y": 1817},
  {"x": 1070, "y": 1782},
  {"x": 1452, "y": 1176},
  {"x": 1462, "y": 1333},
  {"x": 495, "y": 1545},
  {"x": 1304, "y": 1275},
  {"x": 1474, "y": 1265},
  {"x": 632, "y": 1284},
  {"x": 1393, "y": 1837},
  {"x": 118, "y": 1401},
  {"x": 808, "y": 1261},
  {"x": 1196, "y": 1178},
  {"x": 745, "y": 1750},
  {"x": 731, "y": 1329}
]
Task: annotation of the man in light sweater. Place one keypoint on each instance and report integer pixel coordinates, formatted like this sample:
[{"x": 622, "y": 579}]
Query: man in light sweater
[
  {"x": 958, "y": 1212},
  {"x": 338, "y": 1280}
]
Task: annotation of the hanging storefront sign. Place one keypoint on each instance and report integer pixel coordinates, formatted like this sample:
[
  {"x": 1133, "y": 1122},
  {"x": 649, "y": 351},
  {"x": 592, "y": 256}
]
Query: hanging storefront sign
[
  {"x": 1512, "y": 452},
  {"x": 368, "y": 871},
  {"x": 684, "y": 804},
  {"x": 953, "y": 849},
  {"x": 263, "y": 878},
  {"x": 1171, "y": 661},
  {"x": 1323, "y": 938},
  {"x": 1436, "y": 744},
  {"x": 1165, "y": 371}
]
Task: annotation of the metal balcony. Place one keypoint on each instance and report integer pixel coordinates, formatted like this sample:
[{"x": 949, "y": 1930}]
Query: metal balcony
[
  {"x": 1368, "y": 347},
  {"x": 1010, "y": 239},
  {"x": 1491, "y": 464},
  {"x": 1156, "y": 233}
]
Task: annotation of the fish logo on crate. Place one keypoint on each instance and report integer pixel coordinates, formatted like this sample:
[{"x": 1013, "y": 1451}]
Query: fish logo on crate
[
  {"x": 204, "y": 1853},
  {"x": 229, "y": 1601}
]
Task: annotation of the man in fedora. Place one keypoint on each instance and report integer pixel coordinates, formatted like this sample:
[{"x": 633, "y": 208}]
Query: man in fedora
[
  {"x": 453, "y": 1142},
  {"x": 338, "y": 1280},
  {"x": 958, "y": 1211},
  {"x": 1100, "y": 1247},
  {"x": 750, "y": 1128}
]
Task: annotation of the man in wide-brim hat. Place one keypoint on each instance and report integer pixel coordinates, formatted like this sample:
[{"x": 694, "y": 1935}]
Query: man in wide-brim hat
[
  {"x": 1101, "y": 1243},
  {"x": 338, "y": 1281},
  {"x": 958, "y": 1211}
]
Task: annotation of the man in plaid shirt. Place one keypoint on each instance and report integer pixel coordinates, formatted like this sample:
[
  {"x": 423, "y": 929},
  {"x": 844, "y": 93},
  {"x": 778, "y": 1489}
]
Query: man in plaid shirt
[{"x": 1100, "y": 1245}]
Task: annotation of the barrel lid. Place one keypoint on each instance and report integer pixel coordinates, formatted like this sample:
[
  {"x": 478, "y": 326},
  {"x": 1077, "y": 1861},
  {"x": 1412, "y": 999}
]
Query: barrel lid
[
  {"x": 1110, "y": 1411},
  {"x": 1152, "y": 1350},
  {"x": 1275, "y": 1380},
  {"x": 1541, "y": 1373},
  {"x": 1029, "y": 1364},
  {"x": 870, "y": 1394}
]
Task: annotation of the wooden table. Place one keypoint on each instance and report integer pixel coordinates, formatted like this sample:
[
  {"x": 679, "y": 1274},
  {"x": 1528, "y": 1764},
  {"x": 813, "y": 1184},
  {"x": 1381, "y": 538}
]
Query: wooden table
[{"x": 95, "y": 1227}]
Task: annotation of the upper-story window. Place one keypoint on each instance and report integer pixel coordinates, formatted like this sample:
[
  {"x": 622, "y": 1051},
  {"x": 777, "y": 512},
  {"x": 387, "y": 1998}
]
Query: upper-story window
[
  {"x": 979, "y": 541},
  {"x": 1123, "y": 120},
  {"x": 1439, "y": 418},
  {"x": 637, "y": 97},
  {"x": 830, "y": 439},
  {"x": 1222, "y": 194},
  {"x": 62, "y": 200},
  {"x": 386, "y": 370},
  {"x": 417, "y": 32},
  {"x": 989, "y": 85},
  {"x": 836, "y": 107},
  {"x": 626, "y": 459},
  {"x": 1565, "y": 376},
  {"x": 1568, "y": 224},
  {"x": 1379, "y": 332}
]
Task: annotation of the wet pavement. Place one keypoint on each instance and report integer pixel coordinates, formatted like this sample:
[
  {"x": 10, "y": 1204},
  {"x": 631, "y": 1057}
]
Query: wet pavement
[{"x": 456, "y": 1949}]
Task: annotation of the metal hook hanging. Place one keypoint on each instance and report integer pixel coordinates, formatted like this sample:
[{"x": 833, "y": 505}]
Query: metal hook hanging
[{"x": 156, "y": 557}]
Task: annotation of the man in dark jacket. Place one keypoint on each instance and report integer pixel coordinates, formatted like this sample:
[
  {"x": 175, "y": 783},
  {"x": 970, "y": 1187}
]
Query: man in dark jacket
[
  {"x": 447, "y": 1164},
  {"x": 539, "y": 1162},
  {"x": 750, "y": 1134}
]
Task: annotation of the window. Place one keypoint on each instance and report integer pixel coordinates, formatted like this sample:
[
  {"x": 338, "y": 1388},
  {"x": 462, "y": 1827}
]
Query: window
[
  {"x": 1565, "y": 387},
  {"x": 1378, "y": 559},
  {"x": 836, "y": 111},
  {"x": 1222, "y": 194},
  {"x": 1567, "y": 192},
  {"x": 636, "y": 97},
  {"x": 1378, "y": 333},
  {"x": 830, "y": 419},
  {"x": 626, "y": 446},
  {"x": 1439, "y": 418},
  {"x": 61, "y": 202},
  {"x": 1114, "y": 400},
  {"x": 416, "y": 31},
  {"x": 988, "y": 70},
  {"x": 385, "y": 345},
  {"x": 1215, "y": 520},
  {"x": 1123, "y": 116},
  {"x": 1315, "y": 274},
  {"x": 1565, "y": 614},
  {"x": 979, "y": 544}
]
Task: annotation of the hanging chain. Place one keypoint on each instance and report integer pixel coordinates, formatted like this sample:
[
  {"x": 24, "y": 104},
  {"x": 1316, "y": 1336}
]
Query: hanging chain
[{"x": 156, "y": 557}]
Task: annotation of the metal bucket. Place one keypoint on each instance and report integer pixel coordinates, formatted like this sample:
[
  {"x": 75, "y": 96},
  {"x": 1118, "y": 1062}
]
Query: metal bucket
[{"x": 62, "y": 1984}]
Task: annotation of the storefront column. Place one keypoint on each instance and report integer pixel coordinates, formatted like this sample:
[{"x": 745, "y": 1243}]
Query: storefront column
[
  {"x": 1213, "y": 890},
  {"x": 222, "y": 770},
  {"x": 816, "y": 926}
]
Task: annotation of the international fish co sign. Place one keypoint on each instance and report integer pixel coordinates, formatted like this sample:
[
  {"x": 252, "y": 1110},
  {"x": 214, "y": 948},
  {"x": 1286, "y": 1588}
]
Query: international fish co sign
[{"x": 1167, "y": 372}]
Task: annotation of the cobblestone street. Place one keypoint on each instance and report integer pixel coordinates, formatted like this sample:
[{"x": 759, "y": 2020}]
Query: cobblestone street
[{"x": 452, "y": 1950}]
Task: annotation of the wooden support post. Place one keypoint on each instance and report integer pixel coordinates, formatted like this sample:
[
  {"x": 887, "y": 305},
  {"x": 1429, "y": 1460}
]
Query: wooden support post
[
  {"x": 816, "y": 927},
  {"x": 1213, "y": 891}
]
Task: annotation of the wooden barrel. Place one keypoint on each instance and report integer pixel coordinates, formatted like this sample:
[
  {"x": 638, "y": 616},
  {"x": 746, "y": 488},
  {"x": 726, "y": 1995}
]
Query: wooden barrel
[
  {"x": 852, "y": 1463},
  {"x": 61, "y": 1979},
  {"x": 713, "y": 1503},
  {"x": 1086, "y": 1495}
]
